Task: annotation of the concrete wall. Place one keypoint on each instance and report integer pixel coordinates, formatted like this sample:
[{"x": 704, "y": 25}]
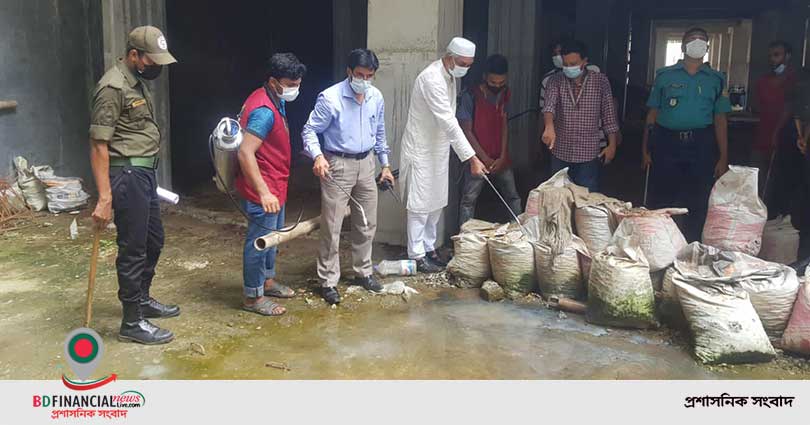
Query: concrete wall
[
  {"x": 50, "y": 57},
  {"x": 406, "y": 36},
  {"x": 119, "y": 18},
  {"x": 513, "y": 32}
]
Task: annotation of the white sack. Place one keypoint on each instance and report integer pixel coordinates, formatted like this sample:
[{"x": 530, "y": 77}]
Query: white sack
[
  {"x": 512, "y": 260},
  {"x": 656, "y": 234},
  {"x": 28, "y": 178},
  {"x": 562, "y": 274},
  {"x": 736, "y": 216},
  {"x": 620, "y": 291}
]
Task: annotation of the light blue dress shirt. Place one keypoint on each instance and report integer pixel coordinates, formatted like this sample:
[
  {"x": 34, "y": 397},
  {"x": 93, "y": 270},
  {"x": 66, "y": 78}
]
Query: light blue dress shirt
[{"x": 346, "y": 125}]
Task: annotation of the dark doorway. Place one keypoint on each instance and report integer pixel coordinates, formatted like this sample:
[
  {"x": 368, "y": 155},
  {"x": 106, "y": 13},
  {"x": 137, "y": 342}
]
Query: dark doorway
[{"x": 221, "y": 50}]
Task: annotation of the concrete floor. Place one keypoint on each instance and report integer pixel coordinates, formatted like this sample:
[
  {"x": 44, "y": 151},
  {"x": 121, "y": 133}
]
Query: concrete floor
[{"x": 442, "y": 333}]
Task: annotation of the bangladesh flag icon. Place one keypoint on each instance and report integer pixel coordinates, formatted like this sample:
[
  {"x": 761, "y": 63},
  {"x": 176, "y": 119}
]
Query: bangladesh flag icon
[{"x": 83, "y": 350}]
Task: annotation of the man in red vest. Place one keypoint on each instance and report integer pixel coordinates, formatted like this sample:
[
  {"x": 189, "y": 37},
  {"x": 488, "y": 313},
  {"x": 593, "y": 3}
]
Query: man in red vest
[
  {"x": 264, "y": 162},
  {"x": 482, "y": 115}
]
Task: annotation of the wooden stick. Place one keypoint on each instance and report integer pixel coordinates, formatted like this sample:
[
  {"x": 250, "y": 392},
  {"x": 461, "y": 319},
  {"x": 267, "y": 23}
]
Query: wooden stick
[{"x": 91, "y": 283}]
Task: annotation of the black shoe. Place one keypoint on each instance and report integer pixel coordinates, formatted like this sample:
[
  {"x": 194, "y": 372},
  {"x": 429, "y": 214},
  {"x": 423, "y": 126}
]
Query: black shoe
[
  {"x": 423, "y": 265},
  {"x": 135, "y": 328},
  {"x": 369, "y": 283},
  {"x": 434, "y": 258},
  {"x": 330, "y": 295},
  {"x": 154, "y": 309}
]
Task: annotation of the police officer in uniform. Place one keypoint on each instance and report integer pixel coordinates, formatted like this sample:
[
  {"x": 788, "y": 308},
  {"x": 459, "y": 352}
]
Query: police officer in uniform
[
  {"x": 685, "y": 144},
  {"x": 124, "y": 144}
]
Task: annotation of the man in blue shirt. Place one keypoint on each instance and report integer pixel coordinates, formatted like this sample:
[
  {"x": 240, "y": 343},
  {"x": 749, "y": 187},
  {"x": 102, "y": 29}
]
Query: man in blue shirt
[
  {"x": 350, "y": 116},
  {"x": 685, "y": 144}
]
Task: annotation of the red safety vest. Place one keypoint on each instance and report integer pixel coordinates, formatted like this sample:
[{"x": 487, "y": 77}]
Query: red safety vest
[
  {"x": 488, "y": 121},
  {"x": 273, "y": 156}
]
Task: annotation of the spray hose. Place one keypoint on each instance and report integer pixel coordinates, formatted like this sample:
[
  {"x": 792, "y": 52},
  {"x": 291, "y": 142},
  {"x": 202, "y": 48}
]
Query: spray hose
[{"x": 236, "y": 204}]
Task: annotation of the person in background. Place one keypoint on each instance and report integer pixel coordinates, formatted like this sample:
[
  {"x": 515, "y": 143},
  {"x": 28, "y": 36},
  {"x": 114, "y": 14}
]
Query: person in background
[
  {"x": 557, "y": 67},
  {"x": 774, "y": 151},
  {"x": 431, "y": 129},
  {"x": 264, "y": 171},
  {"x": 482, "y": 114},
  {"x": 351, "y": 117},
  {"x": 685, "y": 144},
  {"x": 578, "y": 105}
]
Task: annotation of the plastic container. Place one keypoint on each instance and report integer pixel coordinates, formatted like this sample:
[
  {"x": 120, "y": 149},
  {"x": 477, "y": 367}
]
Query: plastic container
[{"x": 396, "y": 267}]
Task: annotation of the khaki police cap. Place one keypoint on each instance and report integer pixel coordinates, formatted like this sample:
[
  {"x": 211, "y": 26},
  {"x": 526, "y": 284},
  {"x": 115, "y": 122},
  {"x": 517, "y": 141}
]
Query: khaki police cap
[{"x": 152, "y": 42}]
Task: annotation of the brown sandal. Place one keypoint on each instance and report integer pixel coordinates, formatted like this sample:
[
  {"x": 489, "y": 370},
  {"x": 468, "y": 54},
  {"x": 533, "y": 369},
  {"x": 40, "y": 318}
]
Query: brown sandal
[
  {"x": 266, "y": 307},
  {"x": 279, "y": 291}
]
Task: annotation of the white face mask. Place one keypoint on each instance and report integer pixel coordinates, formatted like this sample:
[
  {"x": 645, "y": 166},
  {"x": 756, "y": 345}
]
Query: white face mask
[
  {"x": 557, "y": 61},
  {"x": 359, "y": 85},
  {"x": 289, "y": 94},
  {"x": 572, "y": 71},
  {"x": 779, "y": 69},
  {"x": 459, "y": 71},
  {"x": 696, "y": 49}
]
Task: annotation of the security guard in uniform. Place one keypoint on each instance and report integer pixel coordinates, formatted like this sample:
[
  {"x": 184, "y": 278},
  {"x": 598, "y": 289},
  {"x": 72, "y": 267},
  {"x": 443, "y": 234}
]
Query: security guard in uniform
[
  {"x": 685, "y": 145},
  {"x": 124, "y": 143}
]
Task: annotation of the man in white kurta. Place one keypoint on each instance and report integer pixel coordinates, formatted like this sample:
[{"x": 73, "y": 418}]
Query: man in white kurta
[{"x": 430, "y": 131}]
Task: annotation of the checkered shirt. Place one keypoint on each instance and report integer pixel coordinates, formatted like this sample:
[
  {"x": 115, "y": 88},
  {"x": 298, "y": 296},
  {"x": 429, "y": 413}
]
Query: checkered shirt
[{"x": 578, "y": 126}]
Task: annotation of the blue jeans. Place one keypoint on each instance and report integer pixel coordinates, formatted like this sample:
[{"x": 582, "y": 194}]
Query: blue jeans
[
  {"x": 581, "y": 173},
  {"x": 258, "y": 266}
]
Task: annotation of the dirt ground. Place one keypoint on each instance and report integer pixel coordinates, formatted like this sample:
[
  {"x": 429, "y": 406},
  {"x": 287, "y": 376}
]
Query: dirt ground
[{"x": 441, "y": 333}]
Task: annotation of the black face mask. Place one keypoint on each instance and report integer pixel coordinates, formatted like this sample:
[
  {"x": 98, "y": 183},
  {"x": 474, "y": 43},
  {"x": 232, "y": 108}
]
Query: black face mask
[
  {"x": 150, "y": 72},
  {"x": 495, "y": 90}
]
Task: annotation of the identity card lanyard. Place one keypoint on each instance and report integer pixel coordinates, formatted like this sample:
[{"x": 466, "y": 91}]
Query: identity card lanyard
[{"x": 571, "y": 91}]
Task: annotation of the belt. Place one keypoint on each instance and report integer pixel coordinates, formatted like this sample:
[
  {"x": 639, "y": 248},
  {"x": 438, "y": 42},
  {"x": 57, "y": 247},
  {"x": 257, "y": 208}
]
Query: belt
[
  {"x": 684, "y": 135},
  {"x": 150, "y": 162},
  {"x": 357, "y": 156}
]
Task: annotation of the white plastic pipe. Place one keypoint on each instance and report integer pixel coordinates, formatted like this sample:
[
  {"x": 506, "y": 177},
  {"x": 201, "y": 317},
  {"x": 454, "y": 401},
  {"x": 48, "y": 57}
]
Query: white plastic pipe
[{"x": 168, "y": 196}]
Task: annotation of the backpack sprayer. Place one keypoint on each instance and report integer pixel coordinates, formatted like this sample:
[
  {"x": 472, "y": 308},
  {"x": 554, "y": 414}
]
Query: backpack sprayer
[{"x": 223, "y": 148}]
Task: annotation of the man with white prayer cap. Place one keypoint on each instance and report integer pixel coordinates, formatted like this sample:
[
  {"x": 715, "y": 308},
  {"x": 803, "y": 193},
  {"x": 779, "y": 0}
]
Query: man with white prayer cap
[{"x": 431, "y": 129}]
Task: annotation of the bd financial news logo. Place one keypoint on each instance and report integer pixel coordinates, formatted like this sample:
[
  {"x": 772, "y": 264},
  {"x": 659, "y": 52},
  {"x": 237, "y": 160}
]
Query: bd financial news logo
[{"x": 83, "y": 351}]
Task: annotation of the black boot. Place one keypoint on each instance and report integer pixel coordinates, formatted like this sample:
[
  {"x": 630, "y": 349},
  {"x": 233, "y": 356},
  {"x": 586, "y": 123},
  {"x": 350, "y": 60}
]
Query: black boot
[
  {"x": 330, "y": 295},
  {"x": 369, "y": 283},
  {"x": 424, "y": 265},
  {"x": 434, "y": 258},
  {"x": 154, "y": 309},
  {"x": 137, "y": 329}
]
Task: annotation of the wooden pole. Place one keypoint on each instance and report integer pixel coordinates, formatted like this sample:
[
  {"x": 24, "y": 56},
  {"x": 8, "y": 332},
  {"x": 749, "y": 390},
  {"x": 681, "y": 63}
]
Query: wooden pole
[{"x": 91, "y": 283}]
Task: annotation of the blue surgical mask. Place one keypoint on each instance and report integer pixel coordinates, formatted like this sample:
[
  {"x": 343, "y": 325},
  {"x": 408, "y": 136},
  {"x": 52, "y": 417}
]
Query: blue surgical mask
[
  {"x": 359, "y": 85},
  {"x": 572, "y": 71},
  {"x": 779, "y": 69}
]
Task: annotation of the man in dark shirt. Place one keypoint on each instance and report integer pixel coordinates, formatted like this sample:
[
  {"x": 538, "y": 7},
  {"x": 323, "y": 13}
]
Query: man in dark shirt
[{"x": 482, "y": 115}]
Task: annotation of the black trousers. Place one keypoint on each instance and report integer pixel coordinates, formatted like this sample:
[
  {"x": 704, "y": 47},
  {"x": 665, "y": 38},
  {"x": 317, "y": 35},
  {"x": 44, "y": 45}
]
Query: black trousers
[
  {"x": 787, "y": 184},
  {"x": 140, "y": 230},
  {"x": 682, "y": 174}
]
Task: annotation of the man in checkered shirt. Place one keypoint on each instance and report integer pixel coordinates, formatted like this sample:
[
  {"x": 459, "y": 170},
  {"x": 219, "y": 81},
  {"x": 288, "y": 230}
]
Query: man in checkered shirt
[{"x": 575, "y": 102}]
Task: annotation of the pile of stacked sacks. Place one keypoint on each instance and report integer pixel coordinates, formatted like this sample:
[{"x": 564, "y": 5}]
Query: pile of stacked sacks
[{"x": 634, "y": 269}]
